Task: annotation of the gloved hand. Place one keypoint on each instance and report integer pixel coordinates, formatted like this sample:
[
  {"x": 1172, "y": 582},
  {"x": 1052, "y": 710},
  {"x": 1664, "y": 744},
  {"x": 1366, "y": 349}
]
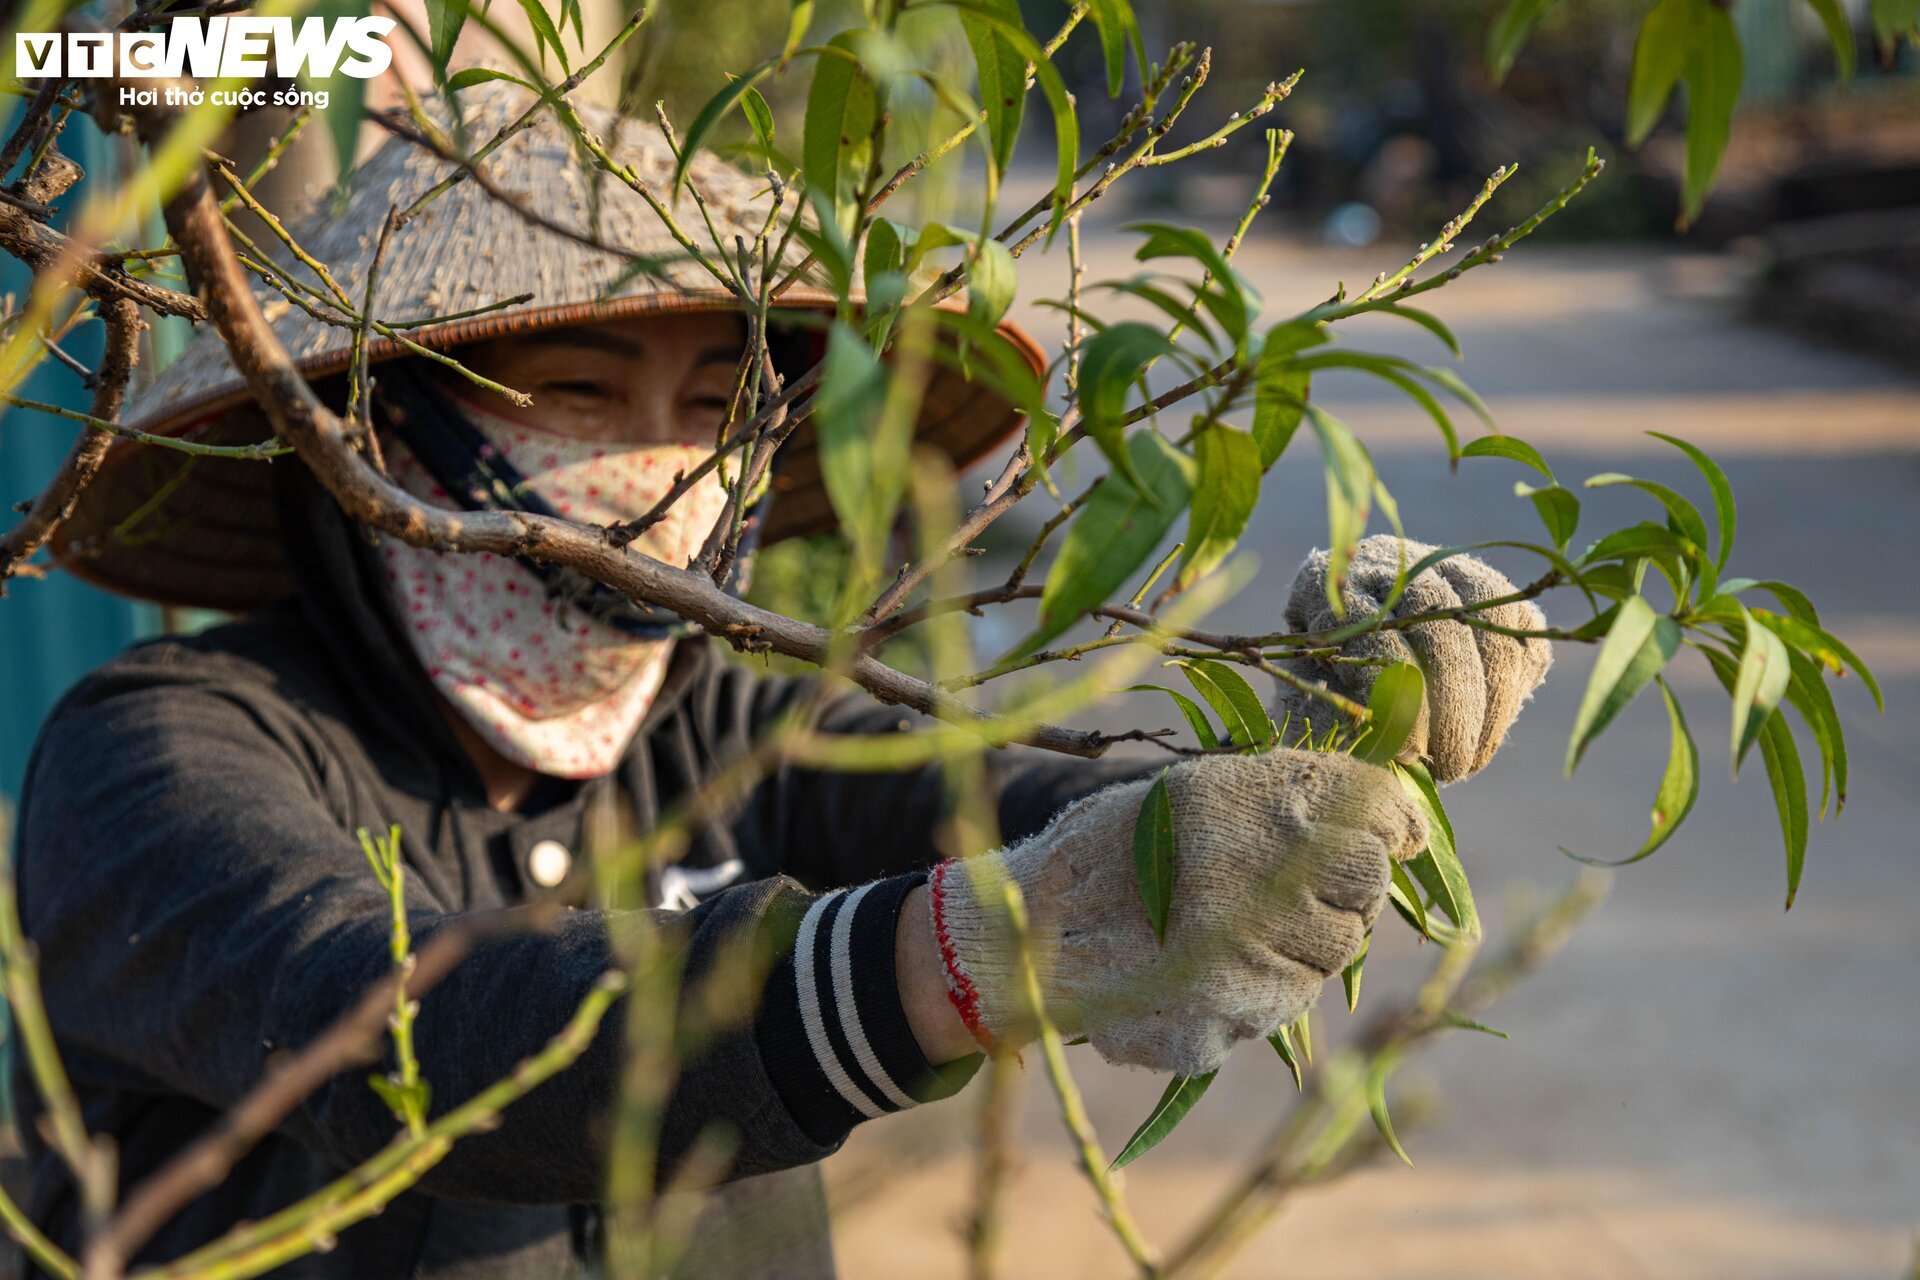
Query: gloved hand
[
  {"x": 1476, "y": 679},
  {"x": 1281, "y": 865}
]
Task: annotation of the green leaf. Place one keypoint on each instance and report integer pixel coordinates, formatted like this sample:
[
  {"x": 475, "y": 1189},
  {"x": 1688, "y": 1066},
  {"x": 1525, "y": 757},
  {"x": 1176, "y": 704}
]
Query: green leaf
[
  {"x": 1640, "y": 541},
  {"x": 1726, "y": 515},
  {"x": 931, "y": 238},
  {"x": 1224, "y": 496},
  {"x": 1280, "y": 390},
  {"x": 347, "y": 95},
  {"x": 445, "y": 18},
  {"x": 992, "y": 361},
  {"x": 1153, "y": 854},
  {"x": 1839, "y": 34},
  {"x": 1349, "y": 475},
  {"x": 753, "y": 105},
  {"x": 1462, "y": 1021},
  {"x": 1438, "y": 868},
  {"x": 1426, "y": 320},
  {"x": 992, "y": 282},
  {"x": 1397, "y": 696},
  {"x": 467, "y": 77},
  {"x": 1794, "y": 601},
  {"x": 1282, "y": 1042},
  {"x": 716, "y": 109},
  {"x": 1232, "y": 699},
  {"x": 1510, "y": 31},
  {"x": 1637, "y": 646},
  {"x": 799, "y": 20},
  {"x": 1784, "y": 774},
  {"x": 1558, "y": 508},
  {"x": 1004, "y": 17},
  {"x": 1118, "y": 28},
  {"x": 1449, "y": 381},
  {"x": 1111, "y": 362},
  {"x": 1789, "y": 783},
  {"x": 1196, "y": 718},
  {"x": 1659, "y": 57},
  {"x": 1684, "y": 513},
  {"x": 1181, "y": 1093},
  {"x": 1680, "y": 784},
  {"x": 863, "y": 455},
  {"x": 1427, "y": 401},
  {"x": 1405, "y": 896},
  {"x": 1405, "y": 374},
  {"x": 1692, "y": 41},
  {"x": 402, "y": 1099},
  {"x": 1356, "y": 968},
  {"x": 1679, "y": 787},
  {"x": 1377, "y": 1073},
  {"x": 1807, "y": 691},
  {"x": 1002, "y": 73},
  {"x": 1227, "y": 298},
  {"x": 836, "y": 140},
  {"x": 1713, "y": 75},
  {"x": 544, "y": 32},
  {"x": 1512, "y": 447},
  {"x": 1758, "y": 688},
  {"x": 1143, "y": 287},
  {"x": 886, "y": 249},
  {"x": 1112, "y": 535},
  {"x": 827, "y": 240},
  {"x": 1817, "y": 643}
]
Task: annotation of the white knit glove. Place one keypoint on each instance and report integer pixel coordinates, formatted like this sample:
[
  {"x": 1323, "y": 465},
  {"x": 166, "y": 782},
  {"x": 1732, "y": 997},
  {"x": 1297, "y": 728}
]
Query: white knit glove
[
  {"x": 1477, "y": 680},
  {"x": 1281, "y": 865}
]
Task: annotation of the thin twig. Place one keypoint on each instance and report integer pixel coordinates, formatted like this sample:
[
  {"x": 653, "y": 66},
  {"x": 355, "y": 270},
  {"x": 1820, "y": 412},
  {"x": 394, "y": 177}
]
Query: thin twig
[
  {"x": 1073, "y": 1110},
  {"x": 245, "y": 452},
  {"x": 525, "y": 120}
]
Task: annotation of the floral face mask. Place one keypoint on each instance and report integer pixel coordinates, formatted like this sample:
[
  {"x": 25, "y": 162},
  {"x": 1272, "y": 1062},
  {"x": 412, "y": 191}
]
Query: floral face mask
[{"x": 544, "y": 685}]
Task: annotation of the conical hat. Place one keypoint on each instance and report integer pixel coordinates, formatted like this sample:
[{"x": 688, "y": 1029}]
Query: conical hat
[{"x": 201, "y": 531}]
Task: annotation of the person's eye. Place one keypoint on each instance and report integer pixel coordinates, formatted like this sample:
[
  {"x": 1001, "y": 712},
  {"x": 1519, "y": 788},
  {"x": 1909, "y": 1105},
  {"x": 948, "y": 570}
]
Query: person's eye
[{"x": 710, "y": 404}]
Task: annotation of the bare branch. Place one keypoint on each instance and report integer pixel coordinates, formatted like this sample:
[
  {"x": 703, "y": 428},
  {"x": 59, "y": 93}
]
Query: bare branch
[
  {"x": 56, "y": 501},
  {"x": 48, "y": 252}
]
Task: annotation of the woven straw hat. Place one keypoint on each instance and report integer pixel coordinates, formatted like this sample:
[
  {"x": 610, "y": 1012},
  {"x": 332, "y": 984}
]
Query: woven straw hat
[{"x": 201, "y": 531}]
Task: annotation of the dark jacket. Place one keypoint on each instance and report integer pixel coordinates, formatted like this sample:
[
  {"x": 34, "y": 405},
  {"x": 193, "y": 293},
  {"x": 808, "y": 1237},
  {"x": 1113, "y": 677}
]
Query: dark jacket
[{"x": 190, "y": 873}]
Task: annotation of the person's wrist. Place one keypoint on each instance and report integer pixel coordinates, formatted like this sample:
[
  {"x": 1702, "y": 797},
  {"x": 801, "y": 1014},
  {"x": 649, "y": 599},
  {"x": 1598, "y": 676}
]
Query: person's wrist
[{"x": 925, "y": 994}]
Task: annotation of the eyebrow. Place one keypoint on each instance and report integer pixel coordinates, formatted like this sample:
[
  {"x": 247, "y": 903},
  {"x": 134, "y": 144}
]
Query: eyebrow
[{"x": 728, "y": 356}]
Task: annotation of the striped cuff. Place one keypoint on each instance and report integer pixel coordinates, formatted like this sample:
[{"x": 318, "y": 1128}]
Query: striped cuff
[{"x": 832, "y": 1033}]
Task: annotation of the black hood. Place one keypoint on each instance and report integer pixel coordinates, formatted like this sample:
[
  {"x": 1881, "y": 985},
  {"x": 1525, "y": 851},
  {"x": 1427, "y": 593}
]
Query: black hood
[{"x": 334, "y": 564}]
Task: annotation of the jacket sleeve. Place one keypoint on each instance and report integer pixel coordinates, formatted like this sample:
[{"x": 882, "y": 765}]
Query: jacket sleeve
[{"x": 199, "y": 908}]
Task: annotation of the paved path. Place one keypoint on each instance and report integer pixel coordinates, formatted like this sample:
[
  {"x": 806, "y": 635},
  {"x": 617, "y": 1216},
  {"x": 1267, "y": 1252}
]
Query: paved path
[{"x": 1700, "y": 1086}]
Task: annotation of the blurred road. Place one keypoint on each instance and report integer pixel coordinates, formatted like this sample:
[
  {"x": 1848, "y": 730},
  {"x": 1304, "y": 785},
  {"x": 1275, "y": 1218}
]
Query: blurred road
[{"x": 1700, "y": 1085}]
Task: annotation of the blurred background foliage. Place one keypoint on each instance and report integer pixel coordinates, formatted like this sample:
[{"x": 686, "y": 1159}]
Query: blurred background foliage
[{"x": 1398, "y": 119}]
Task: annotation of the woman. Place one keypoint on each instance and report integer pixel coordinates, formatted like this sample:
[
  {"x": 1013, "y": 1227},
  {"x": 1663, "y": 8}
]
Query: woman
[{"x": 189, "y": 864}]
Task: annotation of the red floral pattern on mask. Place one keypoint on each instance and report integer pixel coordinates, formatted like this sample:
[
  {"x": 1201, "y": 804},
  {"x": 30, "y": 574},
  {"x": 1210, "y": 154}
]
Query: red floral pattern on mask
[{"x": 547, "y": 687}]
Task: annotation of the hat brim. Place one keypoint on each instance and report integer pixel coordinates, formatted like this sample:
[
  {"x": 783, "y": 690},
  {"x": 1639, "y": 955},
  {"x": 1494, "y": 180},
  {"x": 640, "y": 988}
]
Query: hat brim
[{"x": 202, "y": 532}]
